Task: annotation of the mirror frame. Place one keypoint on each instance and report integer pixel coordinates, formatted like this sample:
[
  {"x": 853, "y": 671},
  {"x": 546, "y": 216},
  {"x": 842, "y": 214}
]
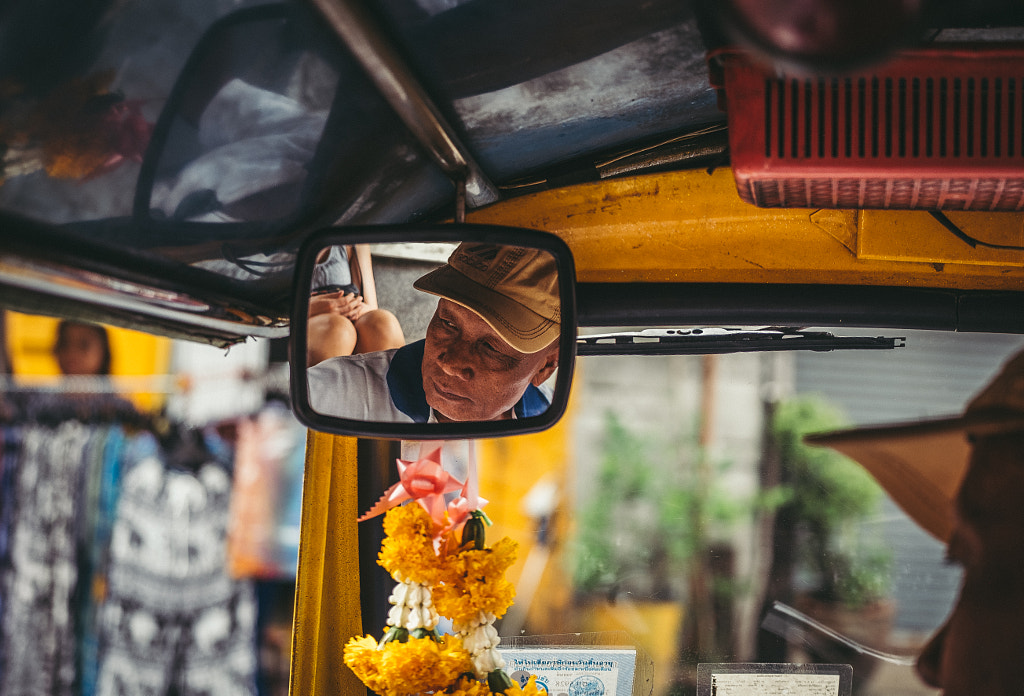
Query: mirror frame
[{"x": 430, "y": 233}]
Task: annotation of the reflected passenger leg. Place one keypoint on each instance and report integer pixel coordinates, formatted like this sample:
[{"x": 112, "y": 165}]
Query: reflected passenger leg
[
  {"x": 329, "y": 335},
  {"x": 376, "y": 330}
]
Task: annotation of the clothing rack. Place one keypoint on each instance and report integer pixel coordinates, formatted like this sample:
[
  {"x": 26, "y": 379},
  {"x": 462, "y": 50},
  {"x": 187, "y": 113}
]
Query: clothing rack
[
  {"x": 69, "y": 486},
  {"x": 88, "y": 384},
  {"x": 273, "y": 378}
]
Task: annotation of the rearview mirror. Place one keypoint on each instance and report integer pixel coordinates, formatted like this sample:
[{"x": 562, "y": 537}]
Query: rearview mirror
[{"x": 432, "y": 332}]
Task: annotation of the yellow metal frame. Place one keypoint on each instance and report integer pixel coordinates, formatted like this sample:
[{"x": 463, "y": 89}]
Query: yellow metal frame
[
  {"x": 692, "y": 227},
  {"x": 327, "y": 609}
]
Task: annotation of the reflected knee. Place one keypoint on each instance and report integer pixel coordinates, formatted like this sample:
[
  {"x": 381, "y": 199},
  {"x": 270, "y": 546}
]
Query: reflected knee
[
  {"x": 378, "y": 329},
  {"x": 328, "y": 336}
]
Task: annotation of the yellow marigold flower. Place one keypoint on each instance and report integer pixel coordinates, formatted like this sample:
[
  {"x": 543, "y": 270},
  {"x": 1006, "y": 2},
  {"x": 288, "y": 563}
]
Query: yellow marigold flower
[
  {"x": 423, "y": 665},
  {"x": 489, "y": 562},
  {"x": 473, "y": 581},
  {"x": 469, "y": 687},
  {"x": 75, "y": 164},
  {"x": 410, "y": 520},
  {"x": 409, "y": 546},
  {"x": 401, "y": 669},
  {"x": 363, "y": 658},
  {"x": 455, "y": 656},
  {"x": 531, "y": 688},
  {"x": 463, "y": 604}
]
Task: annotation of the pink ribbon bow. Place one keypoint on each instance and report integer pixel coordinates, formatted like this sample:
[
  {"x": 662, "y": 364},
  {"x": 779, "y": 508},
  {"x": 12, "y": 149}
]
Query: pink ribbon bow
[
  {"x": 469, "y": 499},
  {"x": 425, "y": 482}
]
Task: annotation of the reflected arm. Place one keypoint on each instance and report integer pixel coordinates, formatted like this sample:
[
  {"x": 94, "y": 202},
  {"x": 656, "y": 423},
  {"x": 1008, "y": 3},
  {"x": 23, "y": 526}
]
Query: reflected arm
[{"x": 362, "y": 273}]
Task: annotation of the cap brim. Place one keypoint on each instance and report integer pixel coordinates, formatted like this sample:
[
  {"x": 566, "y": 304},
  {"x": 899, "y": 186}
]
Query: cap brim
[
  {"x": 920, "y": 465},
  {"x": 522, "y": 328}
]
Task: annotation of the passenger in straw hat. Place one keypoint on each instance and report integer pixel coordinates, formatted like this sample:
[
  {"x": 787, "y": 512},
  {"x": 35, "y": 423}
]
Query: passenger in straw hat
[
  {"x": 490, "y": 346},
  {"x": 962, "y": 479}
]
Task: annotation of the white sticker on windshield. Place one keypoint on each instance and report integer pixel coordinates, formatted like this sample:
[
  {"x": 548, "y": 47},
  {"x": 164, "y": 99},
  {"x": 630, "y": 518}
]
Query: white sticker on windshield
[
  {"x": 767, "y": 679},
  {"x": 576, "y": 671}
]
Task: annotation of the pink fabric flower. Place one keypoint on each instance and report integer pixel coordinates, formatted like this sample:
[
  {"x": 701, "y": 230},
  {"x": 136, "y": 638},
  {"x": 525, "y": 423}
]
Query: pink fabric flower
[{"x": 425, "y": 482}]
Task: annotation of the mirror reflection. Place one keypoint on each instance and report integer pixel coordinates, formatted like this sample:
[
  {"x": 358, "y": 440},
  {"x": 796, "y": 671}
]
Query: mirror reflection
[
  {"x": 249, "y": 124},
  {"x": 428, "y": 333}
]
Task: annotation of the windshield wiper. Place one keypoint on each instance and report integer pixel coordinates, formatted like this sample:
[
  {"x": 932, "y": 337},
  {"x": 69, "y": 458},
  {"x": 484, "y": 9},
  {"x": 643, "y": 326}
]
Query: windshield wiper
[{"x": 715, "y": 340}]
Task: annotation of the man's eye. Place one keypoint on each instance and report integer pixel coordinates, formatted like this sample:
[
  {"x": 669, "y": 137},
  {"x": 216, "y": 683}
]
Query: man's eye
[
  {"x": 491, "y": 349},
  {"x": 496, "y": 357}
]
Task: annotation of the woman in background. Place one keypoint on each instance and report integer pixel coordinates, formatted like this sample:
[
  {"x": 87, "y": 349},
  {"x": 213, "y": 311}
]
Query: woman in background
[{"x": 82, "y": 349}]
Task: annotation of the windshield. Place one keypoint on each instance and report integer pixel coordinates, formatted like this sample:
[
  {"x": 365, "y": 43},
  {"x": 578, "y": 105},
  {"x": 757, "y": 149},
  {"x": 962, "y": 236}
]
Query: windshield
[{"x": 676, "y": 509}]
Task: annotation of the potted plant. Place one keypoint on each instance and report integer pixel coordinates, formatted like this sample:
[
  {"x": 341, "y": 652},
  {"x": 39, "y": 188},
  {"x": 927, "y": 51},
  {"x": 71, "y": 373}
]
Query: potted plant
[{"x": 830, "y": 499}]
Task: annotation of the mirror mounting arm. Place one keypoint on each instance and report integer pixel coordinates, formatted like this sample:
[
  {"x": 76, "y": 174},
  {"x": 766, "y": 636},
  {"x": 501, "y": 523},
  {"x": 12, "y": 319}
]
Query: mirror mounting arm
[
  {"x": 406, "y": 95},
  {"x": 460, "y": 200}
]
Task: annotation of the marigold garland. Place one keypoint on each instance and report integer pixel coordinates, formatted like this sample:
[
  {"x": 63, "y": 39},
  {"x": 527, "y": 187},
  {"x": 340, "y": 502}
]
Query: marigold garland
[
  {"x": 400, "y": 669},
  {"x": 79, "y": 130},
  {"x": 464, "y": 582},
  {"x": 468, "y": 687}
]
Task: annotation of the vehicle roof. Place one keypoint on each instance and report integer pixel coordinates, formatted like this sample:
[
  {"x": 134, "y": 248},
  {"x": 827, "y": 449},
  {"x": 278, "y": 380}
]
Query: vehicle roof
[{"x": 541, "y": 94}]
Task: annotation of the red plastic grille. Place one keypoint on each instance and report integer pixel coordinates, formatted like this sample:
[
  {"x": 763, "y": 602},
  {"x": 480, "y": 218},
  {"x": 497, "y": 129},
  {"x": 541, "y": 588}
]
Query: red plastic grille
[{"x": 941, "y": 127}]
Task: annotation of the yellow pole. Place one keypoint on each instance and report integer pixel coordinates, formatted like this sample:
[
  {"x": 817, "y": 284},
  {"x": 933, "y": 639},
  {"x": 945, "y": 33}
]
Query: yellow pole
[{"x": 327, "y": 609}]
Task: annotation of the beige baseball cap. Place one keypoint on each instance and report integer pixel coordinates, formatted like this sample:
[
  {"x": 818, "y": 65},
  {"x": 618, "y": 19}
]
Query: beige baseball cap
[
  {"x": 922, "y": 464},
  {"x": 514, "y": 289}
]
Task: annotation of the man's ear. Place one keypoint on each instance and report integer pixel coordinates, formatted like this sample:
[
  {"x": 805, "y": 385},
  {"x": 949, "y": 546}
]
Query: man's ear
[{"x": 548, "y": 367}]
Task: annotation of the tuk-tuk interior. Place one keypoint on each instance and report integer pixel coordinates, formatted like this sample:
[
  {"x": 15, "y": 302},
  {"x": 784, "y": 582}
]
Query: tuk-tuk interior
[{"x": 171, "y": 167}]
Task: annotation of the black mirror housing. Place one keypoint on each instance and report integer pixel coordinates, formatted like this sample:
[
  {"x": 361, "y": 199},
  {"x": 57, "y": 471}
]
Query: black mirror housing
[{"x": 436, "y": 287}]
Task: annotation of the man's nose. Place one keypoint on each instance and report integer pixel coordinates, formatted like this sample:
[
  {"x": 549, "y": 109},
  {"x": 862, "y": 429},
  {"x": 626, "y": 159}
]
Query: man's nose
[
  {"x": 929, "y": 662},
  {"x": 455, "y": 360}
]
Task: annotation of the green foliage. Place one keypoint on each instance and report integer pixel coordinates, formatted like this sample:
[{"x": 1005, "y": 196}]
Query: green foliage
[
  {"x": 863, "y": 577},
  {"x": 831, "y": 496},
  {"x": 828, "y": 488},
  {"x": 613, "y": 537},
  {"x": 649, "y": 515}
]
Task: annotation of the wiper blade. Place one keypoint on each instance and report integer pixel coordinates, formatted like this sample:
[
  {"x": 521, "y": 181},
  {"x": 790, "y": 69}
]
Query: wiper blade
[{"x": 716, "y": 340}]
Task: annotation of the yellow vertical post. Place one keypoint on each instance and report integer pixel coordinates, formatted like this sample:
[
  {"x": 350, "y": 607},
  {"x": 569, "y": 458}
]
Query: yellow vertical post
[{"x": 327, "y": 609}]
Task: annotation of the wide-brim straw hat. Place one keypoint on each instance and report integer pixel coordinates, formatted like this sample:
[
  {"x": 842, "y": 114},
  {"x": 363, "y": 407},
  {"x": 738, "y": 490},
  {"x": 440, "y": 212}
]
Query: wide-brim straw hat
[
  {"x": 514, "y": 289},
  {"x": 921, "y": 464}
]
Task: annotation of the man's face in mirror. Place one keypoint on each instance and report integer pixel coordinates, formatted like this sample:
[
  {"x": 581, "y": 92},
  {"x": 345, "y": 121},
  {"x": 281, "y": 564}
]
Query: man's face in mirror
[
  {"x": 977, "y": 651},
  {"x": 470, "y": 373}
]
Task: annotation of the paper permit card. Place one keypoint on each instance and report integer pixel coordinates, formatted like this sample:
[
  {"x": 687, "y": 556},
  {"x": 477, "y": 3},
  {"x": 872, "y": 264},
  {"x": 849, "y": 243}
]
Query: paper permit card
[
  {"x": 574, "y": 671},
  {"x": 770, "y": 679}
]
